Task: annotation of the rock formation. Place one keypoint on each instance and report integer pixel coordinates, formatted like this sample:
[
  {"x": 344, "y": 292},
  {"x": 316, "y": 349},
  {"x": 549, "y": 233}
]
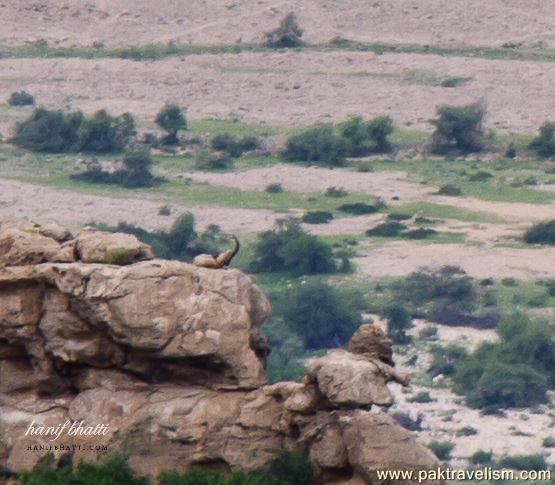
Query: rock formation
[{"x": 171, "y": 358}]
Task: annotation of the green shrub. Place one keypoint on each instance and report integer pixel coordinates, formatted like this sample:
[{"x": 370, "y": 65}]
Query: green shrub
[
  {"x": 445, "y": 359},
  {"x": 319, "y": 314},
  {"x": 511, "y": 151},
  {"x": 421, "y": 397},
  {"x": 544, "y": 143},
  {"x": 360, "y": 208},
  {"x": 398, "y": 217},
  {"x": 466, "y": 431},
  {"x": 288, "y": 34},
  {"x": 289, "y": 248},
  {"x": 317, "y": 217},
  {"x": 429, "y": 332},
  {"x": 119, "y": 256},
  {"x": 387, "y": 229},
  {"x": 524, "y": 462},
  {"x": 112, "y": 470},
  {"x": 515, "y": 372},
  {"x": 335, "y": 192},
  {"x": 233, "y": 146},
  {"x": 399, "y": 320},
  {"x": 541, "y": 233},
  {"x": 420, "y": 233},
  {"x": 21, "y": 98},
  {"x": 275, "y": 188},
  {"x": 171, "y": 119},
  {"x": 363, "y": 138},
  {"x": 449, "y": 189},
  {"x": 138, "y": 162},
  {"x": 549, "y": 442},
  {"x": 213, "y": 161},
  {"x": 364, "y": 166},
  {"x": 481, "y": 457},
  {"x": 509, "y": 282},
  {"x": 480, "y": 176},
  {"x": 55, "y": 131},
  {"x": 460, "y": 128},
  {"x": 442, "y": 449},
  {"x": 165, "y": 210},
  {"x": 317, "y": 144}
]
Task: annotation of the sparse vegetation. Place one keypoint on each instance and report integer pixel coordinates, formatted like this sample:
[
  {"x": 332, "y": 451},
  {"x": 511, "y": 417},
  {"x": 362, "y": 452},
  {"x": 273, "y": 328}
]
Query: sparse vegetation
[
  {"x": 459, "y": 128},
  {"x": 21, "y": 98},
  {"x": 288, "y": 34},
  {"x": 361, "y": 208},
  {"x": 449, "y": 189},
  {"x": 232, "y": 145},
  {"x": 335, "y": 192},
  {"x": 317, "y": 217},
  {"x": 524, "y": 462},
  {"x": 421, "y": 397},
  {"x": 445, "y": 359},
  {"x": 387, "y": 229},
  {"x": 481, "y": 457},
  {"x": 365, "y": 137},
  {"x": 207, "y": 160},
  {"x": 274, "y": 188},
  {"x": 317, "y": 144},
  {"x": 398, "y": 322},
  {"x": 119, "y": 256}
]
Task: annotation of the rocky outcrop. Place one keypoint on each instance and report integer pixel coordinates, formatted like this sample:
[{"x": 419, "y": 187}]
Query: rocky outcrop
[{"x": 166, "y": 360}]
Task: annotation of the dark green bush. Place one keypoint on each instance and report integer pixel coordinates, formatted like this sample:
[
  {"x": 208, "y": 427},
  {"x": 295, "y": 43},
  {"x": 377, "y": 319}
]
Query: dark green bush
[
  {"x": 275, "y": 188},
  {"x": 524, "y": 462},
  {"x": 442, "y": 449},
  {"x": 171, "y": 119},
  {"x": 289, "y": 248},
  {"x": 466, "y": 431},
  {"x": 317, "y": 144},
  {"x": 387, "y": 229},
  {"x": 213, "y": 161},
  {"x": 481, "y": 457},
  {"x": 398, "y": 217},
  {"x": 449, "y": 189},
  {"x": 544, "y": 143},
  {"x": 55, "y": 131},
  {"x": 459, "y": 128},
  {"x": 420, "y": 233},
  {"x": 421, "y": 397},
  {"x": 445, "y": 359},
  {"x": 365, "y": 137},
  {"x": 360, "y": 208},
  {"x": 288, "y": 34},
  {"x": 317, "y": 217},
  {"x": 541, "y": 233},
  {"x": 233, "y": 146},
  {"x": 515, "y": 372},
  {"x": 21, "y": 98},
  {"x": 138, "y": 162},
  {"x": 480, "y": 176},
  {"x": 319, "y": 314},
  {"x": 335, "y": 192},
  {"x": 399, "y": 320}
]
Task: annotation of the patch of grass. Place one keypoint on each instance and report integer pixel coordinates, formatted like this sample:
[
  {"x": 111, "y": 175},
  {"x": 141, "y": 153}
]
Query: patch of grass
[
  {"x": 119, "y": 256},
  {"x": 441, "y": 211},
  {"x": 421, "y": 397},
  {"x": 442, "y": 449}
]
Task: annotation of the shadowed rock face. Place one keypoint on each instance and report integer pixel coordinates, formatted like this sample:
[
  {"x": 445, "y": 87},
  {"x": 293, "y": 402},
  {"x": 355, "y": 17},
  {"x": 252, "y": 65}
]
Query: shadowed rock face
[{"x": 171, "y": 358}]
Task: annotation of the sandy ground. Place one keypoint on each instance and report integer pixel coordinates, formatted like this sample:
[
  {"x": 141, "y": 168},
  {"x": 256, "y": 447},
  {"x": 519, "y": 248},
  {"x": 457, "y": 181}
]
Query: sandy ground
[
  {"x": 404, "y": 257},
  {"x": 296, "y": 88},
  {"x": 126, "y": 22},
  {"x": 42, "y": 203}
]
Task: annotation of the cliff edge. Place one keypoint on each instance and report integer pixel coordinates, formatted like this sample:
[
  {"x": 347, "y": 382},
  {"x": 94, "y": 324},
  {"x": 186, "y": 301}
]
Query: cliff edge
[{"x": 169, "y": 358}]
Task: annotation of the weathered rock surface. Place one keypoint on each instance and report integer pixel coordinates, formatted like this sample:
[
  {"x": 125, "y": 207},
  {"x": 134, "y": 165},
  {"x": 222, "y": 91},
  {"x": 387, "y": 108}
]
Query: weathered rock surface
[{"x": 171, "y": 358}]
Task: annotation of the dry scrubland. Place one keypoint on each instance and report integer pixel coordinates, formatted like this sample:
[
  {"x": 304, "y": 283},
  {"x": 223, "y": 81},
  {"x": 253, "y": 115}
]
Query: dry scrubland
[{"x": 293, "y": 89}]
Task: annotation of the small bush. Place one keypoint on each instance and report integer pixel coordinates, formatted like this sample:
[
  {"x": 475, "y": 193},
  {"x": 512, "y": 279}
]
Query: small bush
[
  {"x": 442, "y": 449},
  {"x": 445, "y": 359},
  {"x": 213, "y": 161},
  {"x": 317, "y": 217},
  {"x": 466, "y": 431},
  {"x": 421, "y": 397},
  {"x": 524, "y": 462},
  {"x": 21, "y": 98},
  {"x": 233, "y": 146},
  {"x": 387, "y": 229},
  {"x": 164, "y": 210},
  {"x": 288, "y": 34},
  {"x": 480, "y": 176},
  {"x": 549, "y": 442},
  {"x": 459, "y": 128},
  {"x": 360, "y": 208},
  {"x": 420, "y": 233},
  {"x": 119, "y": 256},
  {"x": 541, "y": 233},
  {"x": 449, "y": 189},
  {"x": 399, "y": 320},
  {"x": 544, "y": 143},
  {"x": 335, "y": 192},
  {"x": 171, "y": 119},
  {"x": 481, "y": 457},
  {"x": 364, "y": 167},
  {"x": 509, "y": 282},
  {"x": 398, "y": 217},
  {"x": 274, "y": 188},
  {"x": 138, "y": 162},
  {"x": 511, "y": 151},
  {"x": 317, "y": 144},
  {"x": 319, "y": 314},
  {"x": 429, "y": 332},
  {"x": 289, "y": 248}
]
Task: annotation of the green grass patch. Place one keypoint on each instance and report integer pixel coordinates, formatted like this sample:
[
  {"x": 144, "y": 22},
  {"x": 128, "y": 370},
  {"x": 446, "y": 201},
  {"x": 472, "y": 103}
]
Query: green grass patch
[{"x": 441, "y": 211}]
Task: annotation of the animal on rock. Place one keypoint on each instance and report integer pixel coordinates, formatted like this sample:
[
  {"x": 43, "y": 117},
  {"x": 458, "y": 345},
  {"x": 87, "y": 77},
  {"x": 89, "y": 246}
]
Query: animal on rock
[{"x": 223, "y": 259}]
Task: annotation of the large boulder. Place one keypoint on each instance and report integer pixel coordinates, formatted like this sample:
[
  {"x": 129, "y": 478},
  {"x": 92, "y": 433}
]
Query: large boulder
[{"x": 168, "y": 360}]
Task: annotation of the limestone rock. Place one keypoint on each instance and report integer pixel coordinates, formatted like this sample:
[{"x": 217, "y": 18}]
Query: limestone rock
[
  {"x": 371, "y": 341},
  {"x": 95, "y": 246}
]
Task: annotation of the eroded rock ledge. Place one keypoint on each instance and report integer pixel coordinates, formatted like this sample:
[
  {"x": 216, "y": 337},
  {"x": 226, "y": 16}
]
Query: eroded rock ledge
[{"x": 171, "y": 356}]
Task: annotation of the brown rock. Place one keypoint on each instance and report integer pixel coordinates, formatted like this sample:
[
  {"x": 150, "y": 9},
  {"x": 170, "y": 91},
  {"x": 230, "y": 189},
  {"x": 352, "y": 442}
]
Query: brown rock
[
  {"x": 95, "y": 246},
  {"x": 370, "y": 340}
]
